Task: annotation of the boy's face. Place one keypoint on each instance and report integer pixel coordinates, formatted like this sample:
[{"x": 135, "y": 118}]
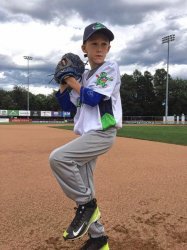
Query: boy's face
[{"x": 96, "y": 48}]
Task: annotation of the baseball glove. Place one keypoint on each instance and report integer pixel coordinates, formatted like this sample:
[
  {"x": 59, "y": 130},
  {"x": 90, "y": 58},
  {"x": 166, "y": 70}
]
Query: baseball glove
[{"x": 69, "y": 65}]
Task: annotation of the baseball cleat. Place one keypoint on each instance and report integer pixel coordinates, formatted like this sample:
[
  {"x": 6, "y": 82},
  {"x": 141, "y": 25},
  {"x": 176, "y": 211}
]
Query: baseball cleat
[
  {"x": 85, "y": 215},
  {"x": 100, "y": 243}
]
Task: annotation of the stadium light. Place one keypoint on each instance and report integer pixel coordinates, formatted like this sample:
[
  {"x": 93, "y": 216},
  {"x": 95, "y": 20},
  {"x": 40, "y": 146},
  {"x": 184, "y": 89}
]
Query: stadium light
[
  {"x": 28, "y": 58},
  {"x": 167, "y": 39}
]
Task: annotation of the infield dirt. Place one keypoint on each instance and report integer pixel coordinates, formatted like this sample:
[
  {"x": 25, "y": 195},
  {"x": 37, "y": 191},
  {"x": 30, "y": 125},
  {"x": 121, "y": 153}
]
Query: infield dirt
[{"x": 141, "y": 188}]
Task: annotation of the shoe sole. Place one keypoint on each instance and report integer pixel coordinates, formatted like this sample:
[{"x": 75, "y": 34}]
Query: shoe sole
[{"x": 96, "y": 216}]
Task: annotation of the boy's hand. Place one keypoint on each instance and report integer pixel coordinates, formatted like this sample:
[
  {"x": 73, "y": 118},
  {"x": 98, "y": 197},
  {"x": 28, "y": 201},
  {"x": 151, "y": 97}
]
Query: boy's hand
[
  {"x": 69, "y": 66},
  {"x": 73, "y": 84}
]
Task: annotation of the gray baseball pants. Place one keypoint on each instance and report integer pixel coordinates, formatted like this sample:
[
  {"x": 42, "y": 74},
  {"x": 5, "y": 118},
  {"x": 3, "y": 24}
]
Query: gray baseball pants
[{"x": 73, "y": 164}]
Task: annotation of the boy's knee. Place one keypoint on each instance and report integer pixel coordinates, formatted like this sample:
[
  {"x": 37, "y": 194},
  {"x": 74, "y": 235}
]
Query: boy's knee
[
  {"x": 52, "y": 159},
  {"x": 55, "y": 158}
]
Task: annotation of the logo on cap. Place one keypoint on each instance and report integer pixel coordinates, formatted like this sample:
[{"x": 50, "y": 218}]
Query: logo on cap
[{"x": 98, "y": 26}]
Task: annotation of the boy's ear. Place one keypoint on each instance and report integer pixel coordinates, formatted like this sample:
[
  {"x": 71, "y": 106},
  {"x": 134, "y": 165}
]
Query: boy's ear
[
  {"x": 84, "y": 48},
  {"x": 109, "y": 48}
]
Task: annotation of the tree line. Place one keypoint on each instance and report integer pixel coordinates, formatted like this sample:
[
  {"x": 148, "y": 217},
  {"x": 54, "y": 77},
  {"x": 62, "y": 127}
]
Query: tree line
[{"x": 141, "y": 94}]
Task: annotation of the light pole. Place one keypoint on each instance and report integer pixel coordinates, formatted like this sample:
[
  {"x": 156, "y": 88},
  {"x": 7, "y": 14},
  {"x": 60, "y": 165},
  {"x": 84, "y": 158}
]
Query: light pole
[
  {"x": 167, "y": 39},
  {"x": 28, "y": 58}
]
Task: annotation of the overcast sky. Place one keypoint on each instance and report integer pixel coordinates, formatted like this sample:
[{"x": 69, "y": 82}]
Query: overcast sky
[{"x": 46, "y": 29}]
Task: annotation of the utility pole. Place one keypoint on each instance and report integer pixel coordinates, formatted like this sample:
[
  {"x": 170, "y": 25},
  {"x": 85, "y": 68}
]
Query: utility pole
[
  {"x": 28, "y": 58},
  {"x": 167, "y": 39}
]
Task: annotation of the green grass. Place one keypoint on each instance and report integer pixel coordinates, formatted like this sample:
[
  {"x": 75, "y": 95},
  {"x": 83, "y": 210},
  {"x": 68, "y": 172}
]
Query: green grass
[{"x": 166, "y": 134}]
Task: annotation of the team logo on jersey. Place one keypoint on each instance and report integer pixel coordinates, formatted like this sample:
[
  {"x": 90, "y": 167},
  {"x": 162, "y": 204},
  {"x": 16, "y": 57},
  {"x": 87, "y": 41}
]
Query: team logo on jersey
[{"x": 102, "y": 79}]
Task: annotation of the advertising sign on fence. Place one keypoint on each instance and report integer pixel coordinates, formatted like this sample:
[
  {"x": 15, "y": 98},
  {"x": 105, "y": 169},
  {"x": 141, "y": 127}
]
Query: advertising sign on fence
[
  {"x": 3, "y": 112},
  {"x": 13, "y": 112},
  {"x": 56, "y": 113},
  {"x": 24, "y": 112},
  {"x": 20, "y": 120},
  {"x": 4, "y": 120},
  {"x": 66, "y": 114},
  {"x": 35, "y": 113},
  {"x": 46, "y": 113}
]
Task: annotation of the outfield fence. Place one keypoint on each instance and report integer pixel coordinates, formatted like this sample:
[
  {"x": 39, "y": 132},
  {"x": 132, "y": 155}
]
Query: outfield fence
[
  {"x": 30, "y": 116},
  {"x": 27, "y": 116},
  {"x": 155, "y": 119}
]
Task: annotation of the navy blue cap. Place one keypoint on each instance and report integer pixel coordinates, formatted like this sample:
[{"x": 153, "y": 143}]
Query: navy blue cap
[{"x": 95, "y": 27}]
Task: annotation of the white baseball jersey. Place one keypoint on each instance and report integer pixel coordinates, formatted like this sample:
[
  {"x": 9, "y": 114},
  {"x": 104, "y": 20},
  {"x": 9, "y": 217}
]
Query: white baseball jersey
[{"x": 108, "y": 113}]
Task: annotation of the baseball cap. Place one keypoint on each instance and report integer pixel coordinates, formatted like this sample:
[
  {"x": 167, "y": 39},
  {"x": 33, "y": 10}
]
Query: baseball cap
[{"x": 93, "y": 28}]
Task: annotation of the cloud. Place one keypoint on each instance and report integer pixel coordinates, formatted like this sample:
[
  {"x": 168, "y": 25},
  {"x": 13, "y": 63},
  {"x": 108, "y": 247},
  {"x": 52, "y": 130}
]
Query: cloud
[
  {"x": 121, "y": 12},
  {"x": 46, "y": 29}
]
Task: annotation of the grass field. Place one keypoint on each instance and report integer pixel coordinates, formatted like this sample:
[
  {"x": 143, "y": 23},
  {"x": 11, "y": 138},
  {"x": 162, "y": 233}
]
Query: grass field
[{"x": 166, "y": 134}]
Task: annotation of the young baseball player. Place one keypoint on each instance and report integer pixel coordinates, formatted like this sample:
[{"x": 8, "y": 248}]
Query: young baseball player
[{"x": 98, "y": 115}]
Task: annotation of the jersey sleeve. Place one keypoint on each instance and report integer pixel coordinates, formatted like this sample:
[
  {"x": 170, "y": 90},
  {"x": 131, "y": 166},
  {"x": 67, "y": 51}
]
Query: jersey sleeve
[
  {"x": 64, "y": 101},
  {"x": 106, "y": 78},
  {"x": 90, "y": 97}
]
